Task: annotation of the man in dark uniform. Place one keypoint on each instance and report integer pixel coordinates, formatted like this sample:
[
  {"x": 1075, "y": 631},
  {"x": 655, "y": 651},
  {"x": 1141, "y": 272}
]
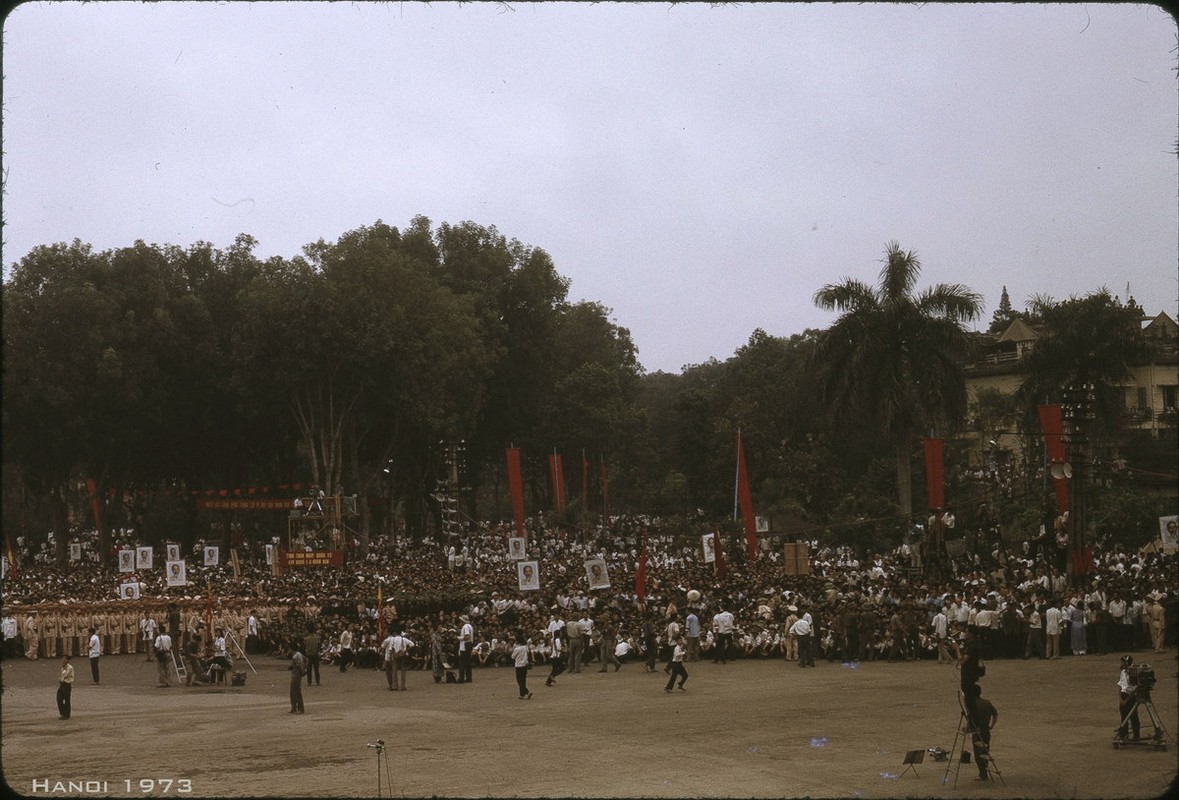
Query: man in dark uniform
[
  {"x": 985, "y": 717},
  {"x": 311, "y": 644},
  {"x": 971, "y": 669},
  {"x": 297, "y": 667}
]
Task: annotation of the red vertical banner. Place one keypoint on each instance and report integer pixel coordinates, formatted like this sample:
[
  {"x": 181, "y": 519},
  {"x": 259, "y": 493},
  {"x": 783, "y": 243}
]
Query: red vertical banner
[
  {"x": 746, "y": 502},
  {"x": 719, "y": 563},
  {"x": 516, "y": 487},
  {"x": 641, "y": 575},
  {"x": 557, "y": 476},
  {"x": 1052, "y": 424},
  {"x": 934, "y": 472},
  {"x": 605, "y": 493}
]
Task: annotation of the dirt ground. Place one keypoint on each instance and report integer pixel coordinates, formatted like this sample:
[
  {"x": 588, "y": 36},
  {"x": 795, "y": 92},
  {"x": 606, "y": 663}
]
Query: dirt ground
[{"x": 745, "y": 729}]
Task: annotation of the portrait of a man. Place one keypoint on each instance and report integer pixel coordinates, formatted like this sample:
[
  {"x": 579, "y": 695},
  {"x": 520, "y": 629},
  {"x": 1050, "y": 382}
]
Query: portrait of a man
[
  {"x": 126, "y": 561},
  {"x": 173, "y": 552},
  {"x": 528, "y": 576},
  {"x": 1169, "y": 533},
  {"x": 595, "y": 572},
  {"x": 177, "y": 574},
  {"x": 212, "y": 556},
  {"x": 516, "y": 548},
  {"x": 709, "y": 548},
  {"x": 143, "y": 557}
]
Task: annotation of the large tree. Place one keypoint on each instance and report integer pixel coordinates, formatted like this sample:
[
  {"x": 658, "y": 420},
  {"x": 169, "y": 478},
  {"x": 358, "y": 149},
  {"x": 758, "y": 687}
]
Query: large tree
[
  {"x": 895, "y": 357},
  {"x": 1086, "y": 341}
]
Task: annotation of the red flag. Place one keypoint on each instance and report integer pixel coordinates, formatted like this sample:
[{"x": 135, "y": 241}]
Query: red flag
[
  {"x": 746, "y": 501},
  {"x": 934, "y": 472},
  {"x": 641, "y": 574},
  {"x": 719, "y": 563},
  {"x": 1052, "y": 425},
  {"x": 557, "y": 475},
  {"x": 516, "y": 486}
]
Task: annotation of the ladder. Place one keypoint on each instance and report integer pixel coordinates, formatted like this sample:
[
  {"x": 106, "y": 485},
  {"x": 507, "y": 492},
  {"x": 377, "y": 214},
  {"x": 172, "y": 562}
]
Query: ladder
[{"x": 181, "y": 671}]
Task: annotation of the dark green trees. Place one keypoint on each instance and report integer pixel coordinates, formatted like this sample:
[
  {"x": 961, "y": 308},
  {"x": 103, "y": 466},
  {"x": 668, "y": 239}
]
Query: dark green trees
[{"x": 894, "y": 357}]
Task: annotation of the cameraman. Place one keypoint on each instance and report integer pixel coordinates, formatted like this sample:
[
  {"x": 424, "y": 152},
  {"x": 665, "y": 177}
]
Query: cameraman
[{"x": 1127, "y": 698}]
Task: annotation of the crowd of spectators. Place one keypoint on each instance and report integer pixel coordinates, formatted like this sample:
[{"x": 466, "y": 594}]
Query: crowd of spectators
[{"x": 862, "y": 608}]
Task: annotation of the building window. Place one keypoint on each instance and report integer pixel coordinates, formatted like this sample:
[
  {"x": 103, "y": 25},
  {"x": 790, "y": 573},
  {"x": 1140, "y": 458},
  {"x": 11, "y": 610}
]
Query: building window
[
  {"x": 1143, "y": 399},
  {"x": 1169, "y": 397}
]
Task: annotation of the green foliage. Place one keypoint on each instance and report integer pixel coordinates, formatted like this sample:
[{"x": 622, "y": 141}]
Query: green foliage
[
  {"x": 1004, "y": 315},
  {"x": 894, "y": 357},
  {"x": 1091, "y": 340},
  {"x": 1128, "y": 516}
]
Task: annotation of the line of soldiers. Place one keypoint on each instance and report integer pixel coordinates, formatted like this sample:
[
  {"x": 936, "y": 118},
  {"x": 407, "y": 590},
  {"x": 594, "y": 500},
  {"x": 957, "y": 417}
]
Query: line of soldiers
[{"x": 50, "y": 630}]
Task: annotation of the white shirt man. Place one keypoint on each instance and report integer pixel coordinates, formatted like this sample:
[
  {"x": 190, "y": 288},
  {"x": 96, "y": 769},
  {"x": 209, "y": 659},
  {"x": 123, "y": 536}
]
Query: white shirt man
[
  {"x": 163, "y": 648},
  {"x": 9, "y": 628},
  {"x": 722, "y": 622},
  {"x": 1052, "y": 631},
  {"x": 941, "y": 628}
]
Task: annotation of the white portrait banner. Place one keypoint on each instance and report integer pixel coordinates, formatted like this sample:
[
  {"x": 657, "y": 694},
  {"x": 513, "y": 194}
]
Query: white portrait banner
[
  {"x": 595, "y": 573},
  {"x": 177, "y": 573},
  {"x": 528, "y": 576},
  {"x": 1169, "y": 533}
]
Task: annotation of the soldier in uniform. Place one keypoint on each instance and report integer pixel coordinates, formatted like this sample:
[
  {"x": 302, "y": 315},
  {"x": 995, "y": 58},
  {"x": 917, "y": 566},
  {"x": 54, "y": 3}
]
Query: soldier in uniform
[
  {"x": 78, "y": 635},
  {"x": 65, "y": 630},
  {"x": 32, "y": 636},
  {"x": 51, "y": 626},
  {"x": 112, "y": 631}
]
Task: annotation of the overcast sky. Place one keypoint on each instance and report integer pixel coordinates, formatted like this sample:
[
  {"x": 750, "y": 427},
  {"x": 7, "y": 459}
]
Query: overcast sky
[{"x": 700, "y": 170}]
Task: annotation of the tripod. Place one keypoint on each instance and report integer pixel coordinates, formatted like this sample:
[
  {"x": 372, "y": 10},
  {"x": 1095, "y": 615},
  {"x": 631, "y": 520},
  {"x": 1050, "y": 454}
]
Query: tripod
[
  {"x": 1156, "y": 740},
  {"x": 240, "y": 651},
  {"x": 379, "y": 746}
]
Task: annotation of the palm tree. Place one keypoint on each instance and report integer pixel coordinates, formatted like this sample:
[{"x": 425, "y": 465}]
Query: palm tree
[{"x": 895, "y": 358}]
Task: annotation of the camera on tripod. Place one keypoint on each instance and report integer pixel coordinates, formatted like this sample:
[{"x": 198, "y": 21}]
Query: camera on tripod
[{"x": 1142, "y": 678}]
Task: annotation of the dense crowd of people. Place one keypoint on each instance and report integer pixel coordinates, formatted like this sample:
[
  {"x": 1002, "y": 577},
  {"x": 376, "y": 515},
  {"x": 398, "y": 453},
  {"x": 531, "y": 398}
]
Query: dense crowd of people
[{"x": 460, "y": 605}]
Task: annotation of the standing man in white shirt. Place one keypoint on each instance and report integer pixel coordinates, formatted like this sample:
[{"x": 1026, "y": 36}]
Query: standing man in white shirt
[
  {"x": 1035, "y": 641},
  {"x": 1052, "y": 629},
  {"x": 1118, "y": 609},
  {"x": 93, "y": 651},
  {"x": 163, "y": 648},
  {"x": 722, "y": 626},
  {"x": 396, "y": 648},
  {"x": 801, "y": 630},
  {"x": 466, "y": 643},
  {"x": 252, "y": 633},
  {"x": 941, "y": 629},
  {"x": 345, "y": 648}
]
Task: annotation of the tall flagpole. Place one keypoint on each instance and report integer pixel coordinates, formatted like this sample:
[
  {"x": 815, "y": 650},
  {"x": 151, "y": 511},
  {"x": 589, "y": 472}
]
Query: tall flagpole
[{"x": 737, "y": 479}]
